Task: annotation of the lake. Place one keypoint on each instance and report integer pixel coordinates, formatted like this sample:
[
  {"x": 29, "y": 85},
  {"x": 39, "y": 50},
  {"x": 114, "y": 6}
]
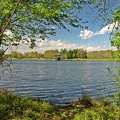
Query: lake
[{"x": 59, "y": 81}]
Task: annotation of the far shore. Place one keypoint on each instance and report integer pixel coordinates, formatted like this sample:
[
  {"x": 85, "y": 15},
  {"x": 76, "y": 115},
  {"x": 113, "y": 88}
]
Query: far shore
[{"x": 75, "y": 59}]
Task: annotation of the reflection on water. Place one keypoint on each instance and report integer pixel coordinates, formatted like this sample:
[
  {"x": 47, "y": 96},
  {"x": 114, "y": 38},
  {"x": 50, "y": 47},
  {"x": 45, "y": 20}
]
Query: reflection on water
[{"x": 59, "y": 81}]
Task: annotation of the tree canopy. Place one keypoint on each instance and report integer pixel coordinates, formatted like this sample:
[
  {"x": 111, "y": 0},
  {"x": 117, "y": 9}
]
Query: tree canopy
[
  {"x": 28, "y": 19},
  {"x": 115, "y": 40}
]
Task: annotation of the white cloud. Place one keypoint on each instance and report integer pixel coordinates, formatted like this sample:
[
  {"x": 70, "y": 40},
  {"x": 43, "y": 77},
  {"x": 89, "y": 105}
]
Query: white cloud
[
  {"x": 42, "y": 46},
  {"x": 8, "y": 32},
  {"x": 52, "y": 45},
  {"x": 90, "y": 48},
  {"x": 53, "y": 27},
  {"x": 88, "y": 34},
  {"x": 107, "y": 29}
]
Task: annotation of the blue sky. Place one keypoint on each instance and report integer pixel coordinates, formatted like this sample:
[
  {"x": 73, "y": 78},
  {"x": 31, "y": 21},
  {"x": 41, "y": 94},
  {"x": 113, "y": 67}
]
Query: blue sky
[
  {"x": 91, "y": 39},
  {"x": 87, "y": 39},
  {"x": 77, "y": 38},
  {"x": 98, "y": 38}
]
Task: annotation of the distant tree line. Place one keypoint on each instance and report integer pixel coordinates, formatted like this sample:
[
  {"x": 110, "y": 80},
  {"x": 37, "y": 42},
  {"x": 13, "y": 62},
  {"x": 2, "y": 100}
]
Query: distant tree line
[{"x": 65, "y": 54}]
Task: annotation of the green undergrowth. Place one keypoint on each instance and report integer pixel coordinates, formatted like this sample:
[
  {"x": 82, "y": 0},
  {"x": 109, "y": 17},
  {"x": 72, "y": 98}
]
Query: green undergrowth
[{"x": 14, "y": 107}]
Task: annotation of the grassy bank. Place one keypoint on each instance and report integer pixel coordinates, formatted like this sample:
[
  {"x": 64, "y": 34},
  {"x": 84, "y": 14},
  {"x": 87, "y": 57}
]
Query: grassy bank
[{"x": 14, "y": 107}]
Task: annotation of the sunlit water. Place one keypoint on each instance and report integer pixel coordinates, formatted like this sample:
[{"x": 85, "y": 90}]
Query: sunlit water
[{"x": 59, "y": 81}]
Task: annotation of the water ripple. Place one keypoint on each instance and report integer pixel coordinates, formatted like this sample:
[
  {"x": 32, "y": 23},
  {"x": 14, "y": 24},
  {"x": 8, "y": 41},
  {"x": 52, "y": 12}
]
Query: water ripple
[{"x": 61, "y": 81}]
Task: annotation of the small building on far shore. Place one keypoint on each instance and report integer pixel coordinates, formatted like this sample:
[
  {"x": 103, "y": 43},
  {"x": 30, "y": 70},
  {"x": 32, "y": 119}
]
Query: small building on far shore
[{"x": 57, "y": 56}]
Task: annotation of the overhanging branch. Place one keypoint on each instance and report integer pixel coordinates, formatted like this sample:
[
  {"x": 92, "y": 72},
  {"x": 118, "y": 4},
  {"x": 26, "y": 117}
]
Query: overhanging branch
[{"x": 8, "y": 21}]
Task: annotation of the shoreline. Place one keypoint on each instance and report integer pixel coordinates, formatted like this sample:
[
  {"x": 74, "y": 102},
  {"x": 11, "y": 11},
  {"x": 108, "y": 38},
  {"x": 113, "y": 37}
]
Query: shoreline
[
  {"x": 67, "y": 59},
  {"x": 16, "y": 107}
]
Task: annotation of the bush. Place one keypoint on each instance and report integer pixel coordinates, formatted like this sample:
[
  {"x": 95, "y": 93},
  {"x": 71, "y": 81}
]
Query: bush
[
  {"x": 102, "y": 113},
  {"x": 15, "y": 107}
]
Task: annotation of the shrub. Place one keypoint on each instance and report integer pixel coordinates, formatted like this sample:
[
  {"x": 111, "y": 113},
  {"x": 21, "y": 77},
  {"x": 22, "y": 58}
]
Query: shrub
[{"x": 102, "y": 113}]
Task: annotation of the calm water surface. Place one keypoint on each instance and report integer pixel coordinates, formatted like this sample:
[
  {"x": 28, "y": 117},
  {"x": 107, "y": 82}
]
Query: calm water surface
[{"x": 59, "y": 81}]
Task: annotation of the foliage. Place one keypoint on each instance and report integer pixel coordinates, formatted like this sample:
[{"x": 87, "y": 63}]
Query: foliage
[
  {"x": 65, "y": 54},
  {"x": 101, "y": 113},
  {"x": 26, "y": 20},
  {"x": 101, "y": 54},
  {"x": 100, "y": 109},
  {"x": 15, "y": 54},
  {"x": 116, "y": 18},
  {"x": 116, "y": 97},
  {"x": 115, "y": 41},
  {"x": 23, "y": 20},
  {"x": 49, "y": 54},
  {"x": 14, "y": 107},
  {"x": 70, "y": 54}
]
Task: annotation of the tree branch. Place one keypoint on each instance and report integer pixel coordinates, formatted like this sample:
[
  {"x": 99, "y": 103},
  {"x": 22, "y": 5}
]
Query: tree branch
[{"x": 8, "y": 21}]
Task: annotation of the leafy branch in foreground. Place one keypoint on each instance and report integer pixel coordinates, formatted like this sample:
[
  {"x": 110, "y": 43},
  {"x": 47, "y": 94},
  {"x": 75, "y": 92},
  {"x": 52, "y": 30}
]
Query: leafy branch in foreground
[
  {"x": 23, "y": 19},
  {"x": 115, "y": 40}
]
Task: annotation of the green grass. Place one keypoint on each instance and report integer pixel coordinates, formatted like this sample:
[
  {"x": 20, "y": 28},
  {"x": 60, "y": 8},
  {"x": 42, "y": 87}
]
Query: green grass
[{"x": 14, "y": 107}]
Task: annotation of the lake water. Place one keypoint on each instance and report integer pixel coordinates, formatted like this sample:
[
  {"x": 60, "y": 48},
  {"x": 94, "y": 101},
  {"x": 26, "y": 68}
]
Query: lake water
[{"x": 59, "y": 81}]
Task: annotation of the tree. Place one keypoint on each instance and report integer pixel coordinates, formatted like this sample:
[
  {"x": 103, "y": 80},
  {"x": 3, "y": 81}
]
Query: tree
[
  {"x": 115, "y": 40},
  {"x": 23, "y": 19},
  {"x": 15, "y": 54},
  {"x": 19, "y": 55},
  {"x": 81, "y": 53},
  {"x": 33, "y": 55},
  {"x": 63, "y": 53},
  {"x": 75, "y": 53},
  {"x": 101, "y": 54},
  {"x": 49, "y": 54},
  {"x": 70, "y": 54}
]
